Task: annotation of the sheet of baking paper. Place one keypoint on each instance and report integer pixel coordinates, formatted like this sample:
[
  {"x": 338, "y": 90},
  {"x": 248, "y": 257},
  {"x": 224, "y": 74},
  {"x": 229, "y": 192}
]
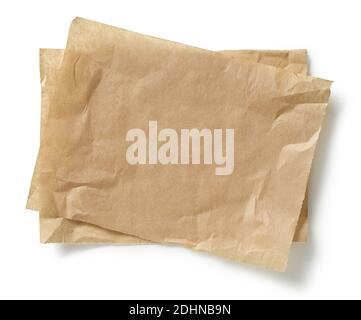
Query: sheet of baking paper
[
  {"x": 243, "y": 203},
  {"x": 55, "y": 229}
]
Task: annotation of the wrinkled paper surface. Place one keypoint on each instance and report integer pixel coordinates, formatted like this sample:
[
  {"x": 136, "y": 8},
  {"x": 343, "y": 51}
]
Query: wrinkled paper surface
[
  {"x": 61, "y": 230},
  {"x": 114, "y": 80}
]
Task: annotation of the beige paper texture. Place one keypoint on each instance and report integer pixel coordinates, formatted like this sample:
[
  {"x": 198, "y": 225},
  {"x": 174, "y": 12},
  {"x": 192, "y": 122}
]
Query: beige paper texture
[
  {"x": 113, "y": 81},
  {"x": 55, "y": 230}
]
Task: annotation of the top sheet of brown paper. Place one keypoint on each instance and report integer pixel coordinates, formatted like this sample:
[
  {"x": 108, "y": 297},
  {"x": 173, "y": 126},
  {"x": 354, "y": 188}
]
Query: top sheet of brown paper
[
  {"x": 61, "y": 230},
  {"x": 114, "y": 81}
]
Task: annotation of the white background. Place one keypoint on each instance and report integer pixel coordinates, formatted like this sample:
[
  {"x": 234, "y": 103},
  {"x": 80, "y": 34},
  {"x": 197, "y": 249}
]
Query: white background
[{"x": 328, "y": 267}]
